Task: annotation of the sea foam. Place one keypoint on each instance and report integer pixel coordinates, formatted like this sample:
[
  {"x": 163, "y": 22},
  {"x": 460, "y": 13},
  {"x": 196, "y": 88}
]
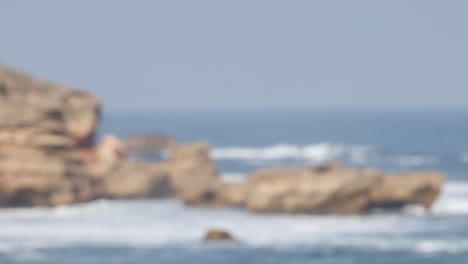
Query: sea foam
[
  {"x": 314, "y": 152},
  {"x": 161, "y": 223}
]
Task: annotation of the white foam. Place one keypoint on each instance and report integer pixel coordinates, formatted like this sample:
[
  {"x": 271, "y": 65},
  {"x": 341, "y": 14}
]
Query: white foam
[
  {"x": 441, "y": 246},
  {"x": 314, "y": 152},
  {"x": 453, "y": 199},
  {"x": 233, "y": 176},
  {"x": 156, "y": 223}
]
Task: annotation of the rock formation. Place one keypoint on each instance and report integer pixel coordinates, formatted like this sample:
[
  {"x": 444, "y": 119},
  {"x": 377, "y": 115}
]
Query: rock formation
[
  {"x": 193, "y": 174},
  {"x": 43, "y": 127},
  {"x": 47, "y": 157},
  {"x": 329, "y": 189},
  {"x": 46, "y": 149},
  {"x": 218, "y": 235}
]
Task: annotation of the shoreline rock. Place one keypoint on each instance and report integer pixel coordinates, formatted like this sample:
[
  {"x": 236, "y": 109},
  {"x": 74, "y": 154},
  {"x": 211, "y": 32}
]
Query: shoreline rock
[
  {"x": 218, "y": 235},
  {"x": 48, "y": 158}
]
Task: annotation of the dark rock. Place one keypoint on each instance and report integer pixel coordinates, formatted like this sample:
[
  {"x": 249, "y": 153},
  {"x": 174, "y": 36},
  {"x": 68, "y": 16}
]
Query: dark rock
[{"x": 218, "y": 235}]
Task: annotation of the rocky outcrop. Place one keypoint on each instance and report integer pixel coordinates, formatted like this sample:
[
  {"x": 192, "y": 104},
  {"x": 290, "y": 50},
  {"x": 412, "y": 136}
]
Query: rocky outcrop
[
  {"x": 323, "y": 189},
  {"x": 394, "y": 191},
  {"x": 37, "y": 113},
  {"x": 218, "y": 235},
  {"x": 47, "y": 155},
  {"x": 311, "y": 190},
  {"x": 193, "y": 174},
  {"x": 331, "y": 189},
  {"x": 44, "y": 129}
]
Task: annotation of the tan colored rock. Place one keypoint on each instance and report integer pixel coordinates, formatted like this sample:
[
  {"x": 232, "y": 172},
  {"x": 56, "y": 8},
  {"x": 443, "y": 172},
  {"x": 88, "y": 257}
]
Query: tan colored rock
[
  {"x": 28, "y": 104},
  {"x": 43, "y": 126},
  {"x": 111, "y": 150},
  {"x": 409, "y": 188},
  {"x": 193, "y": 174},
  {"x": 311, "y": 190},
  {"x": 30, "y": 177},
  {"x": 132, "y": 180},
  {"x": 218, "y": 235},
  {"x": 233, "y": 194},
  {"x": 333, "y": 189}
]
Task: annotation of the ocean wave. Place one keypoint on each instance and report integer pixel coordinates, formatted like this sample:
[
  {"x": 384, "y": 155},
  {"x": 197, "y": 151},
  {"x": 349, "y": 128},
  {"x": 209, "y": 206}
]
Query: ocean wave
[
  {"x": 314, "y": 152},
  {"x": 453, "y": 199},
  {"x": 161, "y": 223}
]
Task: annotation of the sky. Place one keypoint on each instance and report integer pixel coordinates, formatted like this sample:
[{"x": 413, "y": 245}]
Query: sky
[{"x": 245, "y": 54}]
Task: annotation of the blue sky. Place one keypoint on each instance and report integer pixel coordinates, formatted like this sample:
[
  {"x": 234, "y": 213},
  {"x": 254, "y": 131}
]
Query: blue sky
[{"x": 150, "y": 55}]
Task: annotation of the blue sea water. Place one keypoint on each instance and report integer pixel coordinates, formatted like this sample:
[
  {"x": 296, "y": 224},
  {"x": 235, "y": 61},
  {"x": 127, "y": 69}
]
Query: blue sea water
[{"x": 164, "y": 231}]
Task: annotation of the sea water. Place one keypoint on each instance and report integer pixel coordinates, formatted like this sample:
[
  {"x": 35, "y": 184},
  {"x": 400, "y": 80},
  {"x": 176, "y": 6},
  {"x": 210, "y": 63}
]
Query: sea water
[{"x": 165, "y": 231}]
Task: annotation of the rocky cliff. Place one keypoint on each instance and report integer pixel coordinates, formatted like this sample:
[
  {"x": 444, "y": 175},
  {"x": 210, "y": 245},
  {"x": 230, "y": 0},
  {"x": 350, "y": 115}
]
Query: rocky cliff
[{"x": 47, "y": 155}]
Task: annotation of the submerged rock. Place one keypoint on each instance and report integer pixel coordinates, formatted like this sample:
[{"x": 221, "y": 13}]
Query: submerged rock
[{"x": 218, "y": 235}]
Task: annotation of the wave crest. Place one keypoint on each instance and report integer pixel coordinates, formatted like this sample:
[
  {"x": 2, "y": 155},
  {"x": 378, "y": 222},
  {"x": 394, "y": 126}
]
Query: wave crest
[{"x": 314, "y": 152}]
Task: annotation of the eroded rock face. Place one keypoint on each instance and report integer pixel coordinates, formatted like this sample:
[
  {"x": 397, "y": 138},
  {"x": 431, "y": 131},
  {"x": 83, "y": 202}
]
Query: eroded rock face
[
  {"x": 34, "y": 112},
  {"x": 338, "y": 190},
  {"x": 46, "y": 149},
  {"x": 408, "y": 188},
  {"x": 193, "y": 174},
  {"x": 312, "y": 190},
  {"x": 47, "y": 158},
  {"x": 43, "y": 129}
]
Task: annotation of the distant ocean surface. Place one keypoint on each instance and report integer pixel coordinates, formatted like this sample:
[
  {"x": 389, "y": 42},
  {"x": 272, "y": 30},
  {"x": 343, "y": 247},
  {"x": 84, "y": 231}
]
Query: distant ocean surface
[{"x": 164, "y": 231}]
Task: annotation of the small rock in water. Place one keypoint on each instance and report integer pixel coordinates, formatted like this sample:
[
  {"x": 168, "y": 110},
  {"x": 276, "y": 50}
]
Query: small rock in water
[{"x": 218, "y": 235}]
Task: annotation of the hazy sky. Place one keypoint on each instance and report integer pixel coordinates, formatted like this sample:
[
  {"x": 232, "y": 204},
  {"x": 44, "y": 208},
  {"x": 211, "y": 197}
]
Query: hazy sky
[{"x": 245, "y": 54}]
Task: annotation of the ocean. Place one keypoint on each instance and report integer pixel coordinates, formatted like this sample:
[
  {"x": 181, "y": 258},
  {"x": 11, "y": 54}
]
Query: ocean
[{"x": 165, "y": 231}]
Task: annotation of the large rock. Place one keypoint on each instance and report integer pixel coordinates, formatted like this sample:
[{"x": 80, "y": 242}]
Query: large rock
[
  {"x": 47, "y": 155},
  {"x": 53, "y": 114},
  {"x": 311, "y": 190},
  {"x": 395, "y": 191},
  {"x": 193, "y": 174},
  {"x": 337, "y": 190},
  {"x": 44, "y": 129}
]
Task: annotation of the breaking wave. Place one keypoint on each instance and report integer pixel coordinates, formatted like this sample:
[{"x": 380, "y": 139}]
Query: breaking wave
[
  {"x": 159, "y": 223},
  {"x": 453, "y": 199},
  {"x": 314, "y": 152},
  {"x": 321, "y": 152}
]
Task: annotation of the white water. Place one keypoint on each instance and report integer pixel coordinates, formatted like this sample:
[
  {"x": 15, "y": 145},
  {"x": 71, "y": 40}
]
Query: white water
[
  {"x": 314, "y": 152},
  {"x": 155, "y": 223},
  {"x": 320, "y": 152}
]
